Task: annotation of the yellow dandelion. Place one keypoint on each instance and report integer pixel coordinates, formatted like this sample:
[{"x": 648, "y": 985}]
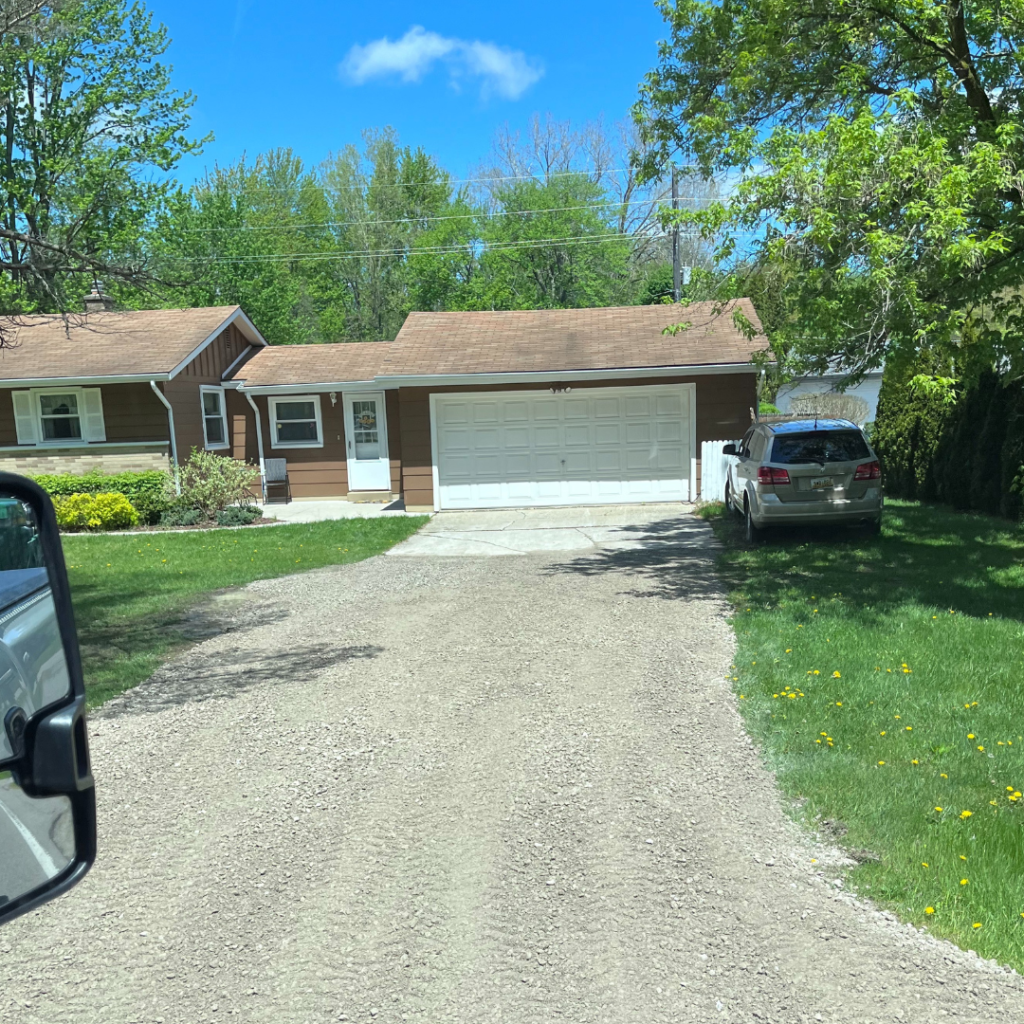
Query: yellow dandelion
[
  {"x": 977, "y": 924},
  {"x": 880, "y": 763},
  {"x": 924, "y": 863},
  {"x": 943, "y": 775},
  {"x": 836, "y": 675},
  {"x": 964, "y": 815},
  {"x": 882, "y": 733},
  {"x": 963, "y": 881},
  {"x": 909, "y": 728},
  {"x": 970, "y": 735},
  {"x": 938, "y": 809},
  {"x": 839, "y": 703},
  {"x": 982, "y": 749},
  {"x": 962, "y": 857},
  {"x": 915, "y": 762},
  {"x": 931, "y": 910}
]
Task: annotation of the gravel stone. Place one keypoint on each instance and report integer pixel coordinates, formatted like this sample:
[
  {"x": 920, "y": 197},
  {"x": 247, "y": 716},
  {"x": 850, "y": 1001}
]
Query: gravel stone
[{"x": 465, "y": 790}]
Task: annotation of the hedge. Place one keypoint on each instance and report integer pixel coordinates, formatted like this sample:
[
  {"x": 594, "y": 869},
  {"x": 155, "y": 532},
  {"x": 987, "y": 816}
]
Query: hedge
[
  {"x": 150, "y": 491},
  {"x": 969, "y": 455}
]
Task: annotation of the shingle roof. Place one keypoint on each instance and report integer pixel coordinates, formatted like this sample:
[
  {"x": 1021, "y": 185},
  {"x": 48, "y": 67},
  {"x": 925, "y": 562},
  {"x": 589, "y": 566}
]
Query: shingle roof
[
  {"x": 110, "y": 344},
  {"x": 313, "y": 364},
  {"x": 550, "y": 340}
]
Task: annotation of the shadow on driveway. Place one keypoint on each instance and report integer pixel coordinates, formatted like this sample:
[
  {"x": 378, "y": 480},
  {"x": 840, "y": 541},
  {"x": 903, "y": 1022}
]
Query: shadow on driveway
[
  {"x": 671, "y": 559},
  {"x": 205, "y": 675}
]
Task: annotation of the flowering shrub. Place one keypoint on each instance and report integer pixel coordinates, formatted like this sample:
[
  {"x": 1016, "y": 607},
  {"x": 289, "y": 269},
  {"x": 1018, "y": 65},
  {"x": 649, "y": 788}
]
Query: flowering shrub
[
  {"x": 211, "y": 483},
  {"x": 149, "y": 491},
  {"x": 94, "y": 512}
]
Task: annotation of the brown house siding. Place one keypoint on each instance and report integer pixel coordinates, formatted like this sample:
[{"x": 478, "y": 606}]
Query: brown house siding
[
  {"x": 208, "y": 367},
  {"x": 723, "y": 409}
]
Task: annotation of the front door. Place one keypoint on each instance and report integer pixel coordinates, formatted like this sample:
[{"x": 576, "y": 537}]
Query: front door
[{"x": 369, "y": 468}]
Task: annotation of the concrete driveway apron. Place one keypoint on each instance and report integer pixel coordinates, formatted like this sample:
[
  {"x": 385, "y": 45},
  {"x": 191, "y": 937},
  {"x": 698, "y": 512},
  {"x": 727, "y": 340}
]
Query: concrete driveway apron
[{"x": 544, "y": 530}]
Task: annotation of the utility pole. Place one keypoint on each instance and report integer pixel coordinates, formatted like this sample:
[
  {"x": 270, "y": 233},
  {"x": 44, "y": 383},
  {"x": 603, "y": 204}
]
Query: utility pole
[{"x": 676, "y": 269}]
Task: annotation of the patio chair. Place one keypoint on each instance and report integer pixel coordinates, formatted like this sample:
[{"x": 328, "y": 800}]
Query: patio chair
[{"x": 275, "y": 474}]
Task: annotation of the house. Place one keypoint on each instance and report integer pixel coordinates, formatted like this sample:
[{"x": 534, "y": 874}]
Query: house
[
  {"x": 120, "y": 391},
  {"x": 867, "y": 390},
  {"x": 464, "y": 410}
]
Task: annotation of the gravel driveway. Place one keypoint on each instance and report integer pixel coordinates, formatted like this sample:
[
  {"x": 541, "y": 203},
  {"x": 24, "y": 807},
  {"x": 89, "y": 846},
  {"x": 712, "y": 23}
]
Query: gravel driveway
[{"x": 465, "y": 790}]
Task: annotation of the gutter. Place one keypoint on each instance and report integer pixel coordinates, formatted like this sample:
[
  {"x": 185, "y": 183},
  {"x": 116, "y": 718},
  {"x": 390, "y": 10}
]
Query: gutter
[
  {"x": 170, "y": 423},
  {"x": 259, "y": 445}
]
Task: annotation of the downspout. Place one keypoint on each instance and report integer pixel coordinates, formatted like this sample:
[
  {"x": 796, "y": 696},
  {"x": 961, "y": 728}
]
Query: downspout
[
  {"x": 170, "y": 424},
  {"x": 259, "y": 445}
]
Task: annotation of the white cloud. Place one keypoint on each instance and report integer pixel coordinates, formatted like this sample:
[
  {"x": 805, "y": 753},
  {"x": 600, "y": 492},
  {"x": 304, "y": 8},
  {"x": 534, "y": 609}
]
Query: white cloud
[{"x": 501, "y": 71}]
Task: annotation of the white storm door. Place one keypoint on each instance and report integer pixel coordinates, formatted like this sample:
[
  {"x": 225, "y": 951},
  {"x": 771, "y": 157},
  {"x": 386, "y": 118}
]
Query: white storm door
[{"x": 366, "y": 442}]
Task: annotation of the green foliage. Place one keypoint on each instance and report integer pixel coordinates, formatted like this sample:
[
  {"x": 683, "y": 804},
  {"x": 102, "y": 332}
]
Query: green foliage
[
  {"x": 94, "y": 512},
  {"x": 767, "y": 409},
  {"x": 211, "y": 482},
  {"x": 238, "y": 515},
  {"x": 178, "y": 515},
  {"x": 90, "y": 129},
  {"x": 879, "y": 149},
  {"x": 969, "y": 454},
  {"x": 149, "y": 491}
]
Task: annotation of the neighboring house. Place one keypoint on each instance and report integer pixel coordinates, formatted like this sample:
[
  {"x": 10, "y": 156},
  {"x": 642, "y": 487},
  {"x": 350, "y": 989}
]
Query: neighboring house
[
  {"x": 867, "y": 389},
  {"x": 461, "y": 410},
  {"x": 101, "y": 390}
]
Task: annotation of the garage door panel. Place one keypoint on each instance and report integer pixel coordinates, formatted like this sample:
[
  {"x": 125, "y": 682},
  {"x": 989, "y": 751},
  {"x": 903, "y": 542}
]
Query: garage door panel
[
  {"x": 590, "y": 447},
  {"x": 578, "y": 435}
]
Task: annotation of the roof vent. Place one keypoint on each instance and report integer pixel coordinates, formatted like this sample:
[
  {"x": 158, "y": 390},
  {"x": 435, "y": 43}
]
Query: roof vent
[{"x": 97, "y": 301}]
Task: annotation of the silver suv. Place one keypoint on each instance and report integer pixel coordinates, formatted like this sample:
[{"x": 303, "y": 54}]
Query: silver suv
[{"x": 804, "y": 471}]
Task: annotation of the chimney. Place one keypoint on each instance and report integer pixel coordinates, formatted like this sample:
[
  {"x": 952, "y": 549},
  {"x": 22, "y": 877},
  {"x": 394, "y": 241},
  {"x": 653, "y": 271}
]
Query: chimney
[{"x": 97, "y": 301}]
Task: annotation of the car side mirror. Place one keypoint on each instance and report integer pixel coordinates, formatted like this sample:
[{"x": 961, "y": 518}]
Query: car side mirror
[
  {"x": 47, "y": 800},
  {"x": 730, "y": 449}
]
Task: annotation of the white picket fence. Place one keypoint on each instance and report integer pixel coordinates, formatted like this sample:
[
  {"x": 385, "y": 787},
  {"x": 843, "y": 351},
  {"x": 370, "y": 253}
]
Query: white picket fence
[{"x": 714, "y": 467}]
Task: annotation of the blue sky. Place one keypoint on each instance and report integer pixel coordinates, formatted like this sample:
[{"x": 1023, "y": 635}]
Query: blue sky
[{"x": 313, "y": 75}]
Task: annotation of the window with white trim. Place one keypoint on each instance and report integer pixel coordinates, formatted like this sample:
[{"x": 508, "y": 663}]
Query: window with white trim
[
  {"x": 295, "y": 422},
  {"x": 59, "y": 417},
  {"x": 215, "y": 417}
]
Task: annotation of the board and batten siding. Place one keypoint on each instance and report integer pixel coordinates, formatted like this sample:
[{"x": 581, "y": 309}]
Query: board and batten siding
[{"x": 723, "y": 406}]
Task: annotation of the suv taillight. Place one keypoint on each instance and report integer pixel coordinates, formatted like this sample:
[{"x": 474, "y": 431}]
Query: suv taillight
[
  {"x": 768, "y": 475},
  {"x": 868, "y": 471}
]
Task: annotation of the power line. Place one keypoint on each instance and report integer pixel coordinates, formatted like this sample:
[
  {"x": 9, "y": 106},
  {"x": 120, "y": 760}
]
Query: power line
[
  {"x": 452, "y": 181},
  {"x": 438, "y": 250},
  {"x": 443, "y": 217}
]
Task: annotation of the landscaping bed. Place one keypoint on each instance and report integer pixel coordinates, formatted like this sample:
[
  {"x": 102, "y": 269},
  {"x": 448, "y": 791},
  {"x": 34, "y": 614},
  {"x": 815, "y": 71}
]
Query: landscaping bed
[
  {"x": 132, "y": 593},
  {"x": 884, "y": 681}
]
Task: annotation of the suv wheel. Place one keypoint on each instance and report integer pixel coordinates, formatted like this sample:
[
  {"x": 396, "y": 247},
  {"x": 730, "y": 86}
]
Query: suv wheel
[{"x": 755, "y": 533}]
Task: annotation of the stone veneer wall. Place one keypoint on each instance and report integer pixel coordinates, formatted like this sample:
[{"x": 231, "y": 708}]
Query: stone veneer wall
[{"x": 81, "y": 460}]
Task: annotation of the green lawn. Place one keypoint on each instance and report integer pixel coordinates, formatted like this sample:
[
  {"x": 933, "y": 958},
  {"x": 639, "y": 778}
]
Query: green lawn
[
  {"x": 884, "y": 680},
  {"x": 132, "y": 592}
]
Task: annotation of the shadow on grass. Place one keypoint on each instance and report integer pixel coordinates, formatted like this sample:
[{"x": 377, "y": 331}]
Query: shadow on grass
[
  {"x": 229, "y": 673},
  {"x": 672, "y": 559},
  {"x": 927, "y": 554}
]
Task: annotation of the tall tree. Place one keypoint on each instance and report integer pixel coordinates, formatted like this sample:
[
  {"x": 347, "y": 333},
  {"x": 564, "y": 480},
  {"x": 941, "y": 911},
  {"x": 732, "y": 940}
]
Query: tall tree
[
  {"x": 87, "y": 115},
  {"x": 877, "y": 146}
]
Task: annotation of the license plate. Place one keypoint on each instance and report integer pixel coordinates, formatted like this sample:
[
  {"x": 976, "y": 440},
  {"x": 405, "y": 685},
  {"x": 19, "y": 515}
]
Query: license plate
[{"x": 819, "y": 482}]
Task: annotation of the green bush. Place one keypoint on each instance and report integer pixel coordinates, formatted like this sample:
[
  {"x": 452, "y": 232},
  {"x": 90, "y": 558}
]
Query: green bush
[
  {"x": 238, "y": 515},
  {"x": 767, "y": 409},
  {"x": 181, "y": 517},
  {"x": 94, "y": 512},
  {"x": 150, "y": 491},
  {"x": 211, "y": 482},
  {"x": 967, "y": 454}
]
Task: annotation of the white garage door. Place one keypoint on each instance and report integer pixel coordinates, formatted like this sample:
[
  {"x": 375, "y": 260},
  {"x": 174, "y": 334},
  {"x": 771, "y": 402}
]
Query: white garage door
[{"x": 593, "y": 446}]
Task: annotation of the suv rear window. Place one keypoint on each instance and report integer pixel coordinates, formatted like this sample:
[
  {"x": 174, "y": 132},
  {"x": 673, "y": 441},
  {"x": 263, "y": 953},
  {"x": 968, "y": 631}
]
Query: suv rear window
[{"x": 820, "y": 446}]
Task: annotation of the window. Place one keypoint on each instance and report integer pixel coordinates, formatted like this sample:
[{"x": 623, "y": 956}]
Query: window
[
  {"x": 820, "y": 446},
  {"x": 58, "y": 417},
  {"x": 295, "y": 422},
  {"x": 215, "y": 420}
]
